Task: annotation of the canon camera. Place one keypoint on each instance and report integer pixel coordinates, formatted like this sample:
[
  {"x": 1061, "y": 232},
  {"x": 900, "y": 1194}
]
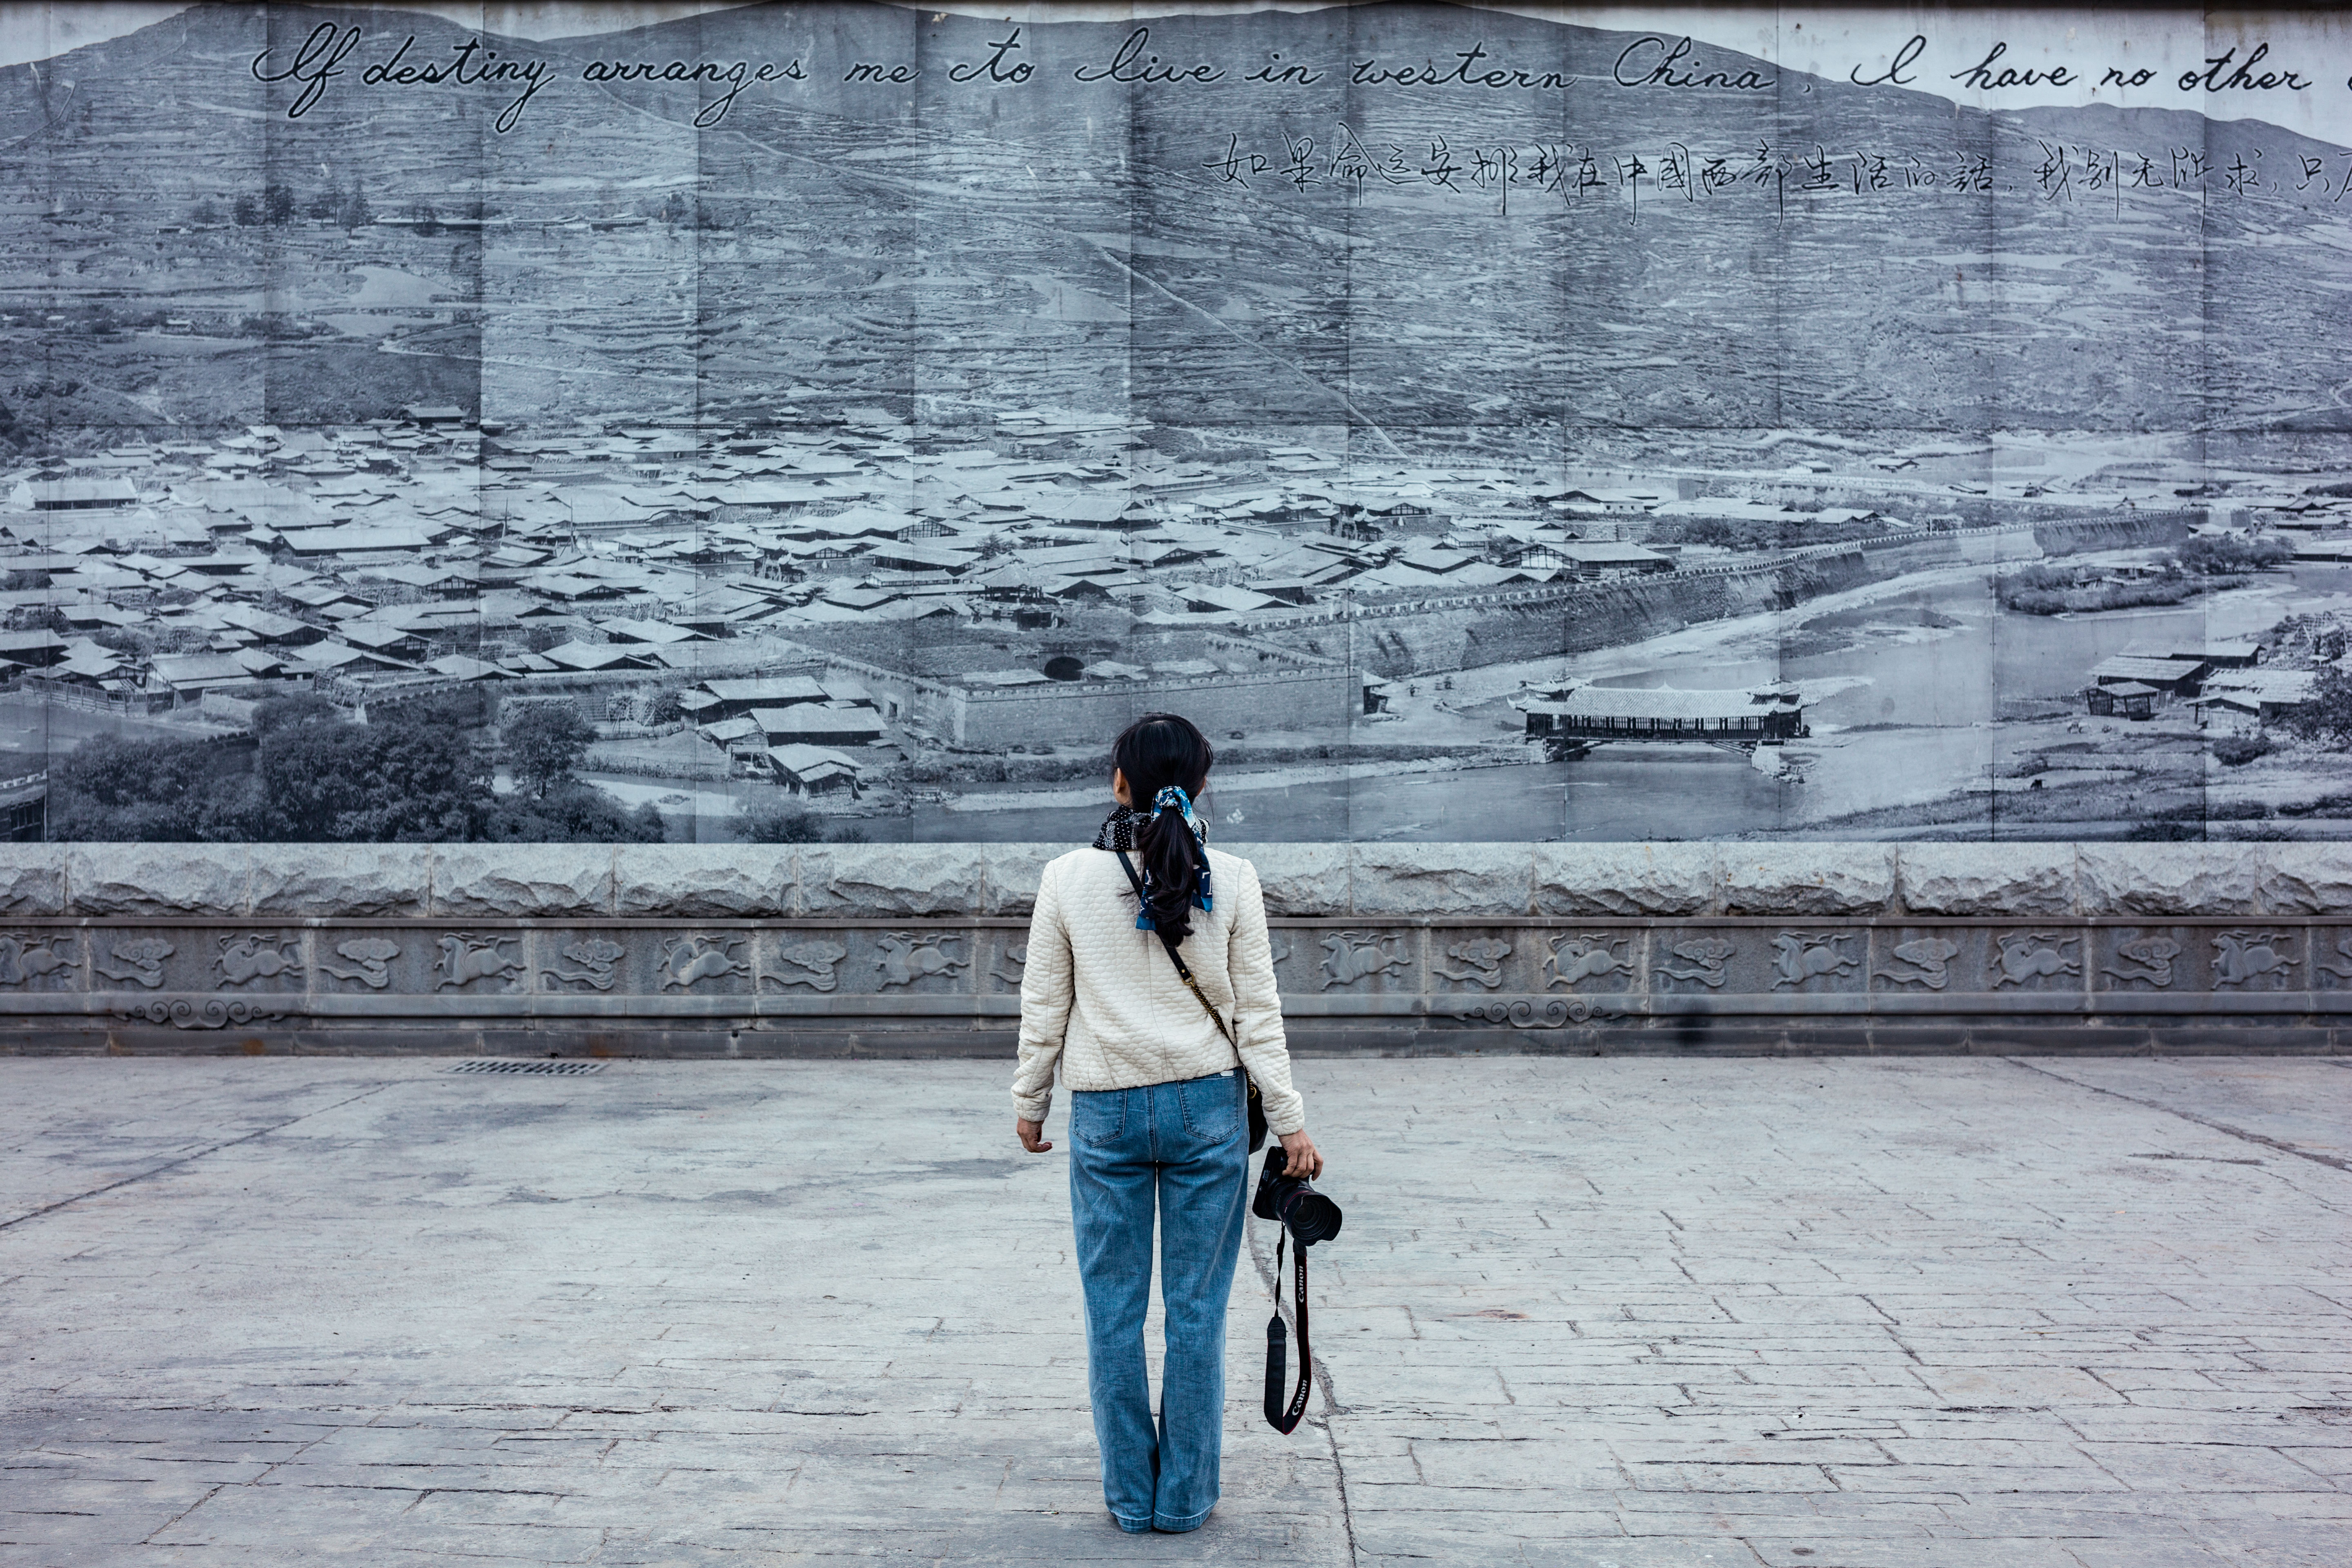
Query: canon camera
[{"x": 1311, "y": 1216}]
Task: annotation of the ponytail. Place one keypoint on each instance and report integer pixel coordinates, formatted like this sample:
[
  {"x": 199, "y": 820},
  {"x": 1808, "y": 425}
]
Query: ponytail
[{"x": 1165, "y": 760}]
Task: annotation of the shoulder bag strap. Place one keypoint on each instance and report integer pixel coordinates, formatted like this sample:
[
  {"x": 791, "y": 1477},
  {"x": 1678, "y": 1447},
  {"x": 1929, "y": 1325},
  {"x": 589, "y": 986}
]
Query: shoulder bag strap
[
  {"x": 1183, "y": 970},
  {"x": 1258, "y": 1126}
]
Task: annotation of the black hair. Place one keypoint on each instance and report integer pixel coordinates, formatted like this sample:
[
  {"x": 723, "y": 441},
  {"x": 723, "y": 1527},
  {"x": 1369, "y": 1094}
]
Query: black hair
[{"x": 1156, "y": 750}]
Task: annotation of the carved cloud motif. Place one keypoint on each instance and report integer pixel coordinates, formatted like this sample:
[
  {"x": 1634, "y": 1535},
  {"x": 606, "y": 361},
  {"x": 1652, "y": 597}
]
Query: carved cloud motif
[
  {"x": 371, "y": 957},
  {"x": 1481, "y": 960},
  {"x": 1926, "y": 960},
  {"x": 2147, "y": 958},
  {"x": 1708, "y": 958},
  {"x": 141, "y": 961},
  {"x": 590, "y": 963},
  {"x": 809, "y": 963}
]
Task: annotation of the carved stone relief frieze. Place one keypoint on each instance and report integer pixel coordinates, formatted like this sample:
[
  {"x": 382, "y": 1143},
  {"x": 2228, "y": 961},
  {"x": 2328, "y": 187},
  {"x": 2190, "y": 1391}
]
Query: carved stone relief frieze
[
  {"x": 1351, "y": 956},
  {"x": 812, "y": 964},
  {"x": 2341, "y": 971},
  {"x": 592, "y": 961},
  {"x": 1586, "y": 955},
  {"x": 905, "y": 958},
  {"x": 687, "y": 961},
  {"x": 245, "y": 957},
  {"x": 25, "y": 957},
  {"x": 199, "y": 1013},
  {"x": 366, "y": 960},
  {"x": 1798, "y": 957},
  {"x": 1697, "y": 961},
  {"x": 468, "y": 956},
  {"x": 2243, "y": 957},
  {"x": 136, "y": 960},
  {"x": 1923, "y": 960},
  {"x": 1536, "y": 1012},
  {"x": 2142, "y": 960},
  {"x": 1479, "y": 960},
  {"x": 2023, "y": 956}
]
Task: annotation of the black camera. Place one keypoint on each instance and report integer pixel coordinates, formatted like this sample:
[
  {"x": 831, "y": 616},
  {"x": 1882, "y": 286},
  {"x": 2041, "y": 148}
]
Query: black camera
[{"x": 1311, "y": 1216}]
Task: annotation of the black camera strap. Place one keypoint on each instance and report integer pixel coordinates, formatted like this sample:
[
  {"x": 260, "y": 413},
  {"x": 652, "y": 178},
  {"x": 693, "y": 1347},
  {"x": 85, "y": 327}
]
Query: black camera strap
[{"x": 1283, "y": 1419}]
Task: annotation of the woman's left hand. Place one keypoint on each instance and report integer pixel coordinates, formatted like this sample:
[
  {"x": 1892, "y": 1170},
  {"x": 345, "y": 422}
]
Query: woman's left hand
[{"x": 1032, "y": 1136}]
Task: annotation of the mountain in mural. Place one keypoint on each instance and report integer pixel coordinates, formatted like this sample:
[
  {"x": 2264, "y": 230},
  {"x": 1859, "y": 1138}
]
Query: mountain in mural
[{"x": 1527, "y": 262}]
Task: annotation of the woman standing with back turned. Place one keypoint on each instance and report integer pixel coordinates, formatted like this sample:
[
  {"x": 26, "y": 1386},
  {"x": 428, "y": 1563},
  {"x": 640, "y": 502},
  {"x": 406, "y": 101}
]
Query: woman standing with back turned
[{"x": 1158, "y": 1105}]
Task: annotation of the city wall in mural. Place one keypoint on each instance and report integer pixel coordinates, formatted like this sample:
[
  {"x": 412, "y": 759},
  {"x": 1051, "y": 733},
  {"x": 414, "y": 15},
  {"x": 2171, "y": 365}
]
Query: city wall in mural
[{"x": 835, "y": 421}]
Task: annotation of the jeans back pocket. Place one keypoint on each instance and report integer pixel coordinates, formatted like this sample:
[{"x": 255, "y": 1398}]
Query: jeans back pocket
[
  {"x": 1097, "y": 1116},
  {"x": 1211, "y": 1106}
]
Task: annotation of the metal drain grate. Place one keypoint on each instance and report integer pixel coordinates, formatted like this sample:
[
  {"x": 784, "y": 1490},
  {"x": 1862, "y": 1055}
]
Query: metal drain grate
[{"x": 541, "y": 1069}]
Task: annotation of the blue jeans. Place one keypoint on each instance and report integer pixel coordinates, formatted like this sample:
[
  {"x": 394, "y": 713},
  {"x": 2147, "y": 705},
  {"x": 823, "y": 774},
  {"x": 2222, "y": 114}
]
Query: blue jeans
[{"x": 1181, "y": 1145}]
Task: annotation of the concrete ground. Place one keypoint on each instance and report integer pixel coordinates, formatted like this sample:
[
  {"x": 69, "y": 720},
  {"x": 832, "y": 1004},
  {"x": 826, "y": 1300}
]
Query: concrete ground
[{"x": 1607, "y": 1314}]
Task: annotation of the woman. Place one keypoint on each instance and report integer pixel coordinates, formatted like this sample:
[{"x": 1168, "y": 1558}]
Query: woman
[{"x": 1158, "y": 1105}]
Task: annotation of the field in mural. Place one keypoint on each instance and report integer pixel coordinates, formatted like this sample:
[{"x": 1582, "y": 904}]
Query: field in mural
[{"x": 834, "y": 422}]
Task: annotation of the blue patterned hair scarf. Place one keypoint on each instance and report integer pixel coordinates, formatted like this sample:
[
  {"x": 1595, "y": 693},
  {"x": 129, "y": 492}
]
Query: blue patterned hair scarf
[{"x": 1118, "y": 833}]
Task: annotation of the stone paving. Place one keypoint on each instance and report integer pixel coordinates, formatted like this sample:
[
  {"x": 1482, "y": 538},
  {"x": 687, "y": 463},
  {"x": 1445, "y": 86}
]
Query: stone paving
[{"x": 1612, "y": 1313}]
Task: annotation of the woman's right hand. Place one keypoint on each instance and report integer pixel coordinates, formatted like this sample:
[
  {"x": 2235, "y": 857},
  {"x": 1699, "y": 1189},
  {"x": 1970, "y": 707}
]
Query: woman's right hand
[{"x": 1299, "y": 1155}]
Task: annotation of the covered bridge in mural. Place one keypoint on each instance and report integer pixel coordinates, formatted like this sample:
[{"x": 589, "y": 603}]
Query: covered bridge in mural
[{"x": 1576, "y": 718}]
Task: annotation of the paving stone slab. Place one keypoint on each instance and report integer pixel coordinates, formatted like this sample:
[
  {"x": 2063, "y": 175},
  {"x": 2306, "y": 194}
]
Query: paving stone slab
[{"x": 1590, "y": 1311}]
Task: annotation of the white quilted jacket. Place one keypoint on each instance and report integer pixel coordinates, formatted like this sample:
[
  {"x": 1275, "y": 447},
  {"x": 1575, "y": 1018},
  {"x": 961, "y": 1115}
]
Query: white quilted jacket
[{"x": 1099, "y": 996}]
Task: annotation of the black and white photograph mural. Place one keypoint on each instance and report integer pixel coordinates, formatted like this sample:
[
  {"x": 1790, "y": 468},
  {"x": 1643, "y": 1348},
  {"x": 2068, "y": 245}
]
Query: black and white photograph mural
[{"x": 834, "y": 421}]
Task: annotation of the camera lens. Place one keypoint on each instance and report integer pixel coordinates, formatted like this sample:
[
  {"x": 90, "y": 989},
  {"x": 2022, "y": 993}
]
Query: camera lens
[{"x": 1311, "y": 1216}]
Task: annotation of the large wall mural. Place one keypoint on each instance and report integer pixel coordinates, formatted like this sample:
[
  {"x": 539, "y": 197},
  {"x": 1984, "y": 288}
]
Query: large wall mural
[{"x": 834, "y": 421}]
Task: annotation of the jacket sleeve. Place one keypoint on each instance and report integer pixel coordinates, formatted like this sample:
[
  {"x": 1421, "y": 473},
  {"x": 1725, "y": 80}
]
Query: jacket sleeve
[
  {"x": 1257, "y": 1008},
  {"x": 1045, "y": 997}
]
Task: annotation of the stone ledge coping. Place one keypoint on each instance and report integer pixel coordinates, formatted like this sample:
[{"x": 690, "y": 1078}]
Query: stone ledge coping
[{"x": 1808, "y": 881}]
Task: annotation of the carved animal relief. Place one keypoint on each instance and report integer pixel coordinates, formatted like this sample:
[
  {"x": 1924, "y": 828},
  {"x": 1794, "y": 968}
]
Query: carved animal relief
[
  {"x": 1800, "y": 956},
  {"x": 1702, "y": 960},
  {"x": 138, "y": 962},
  {"x": 1350, "y": 955},
  {"x": 2342, "y": 951},
  {"x": 249, "y": 956},
  {"x": 466, "y": 958},
  {"x": 1481, "y": 961},
  {"x": 370, "y": 958},
  {"x": 688, "y": 959},
  {"x": 2242, "y": 957},
  {"x": 2033, "y": 955},
  {"x": 1926, "y": 960},
  {"x": 24, "y": 958},
  {"x": 1590, "y": 956},
  {"x": 809, "y": 963},
  {"x": 907, "y": 959}
]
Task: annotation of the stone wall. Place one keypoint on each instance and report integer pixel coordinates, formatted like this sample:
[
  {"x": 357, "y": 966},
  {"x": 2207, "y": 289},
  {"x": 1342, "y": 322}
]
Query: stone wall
[{"x": 889, "y": 948}]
